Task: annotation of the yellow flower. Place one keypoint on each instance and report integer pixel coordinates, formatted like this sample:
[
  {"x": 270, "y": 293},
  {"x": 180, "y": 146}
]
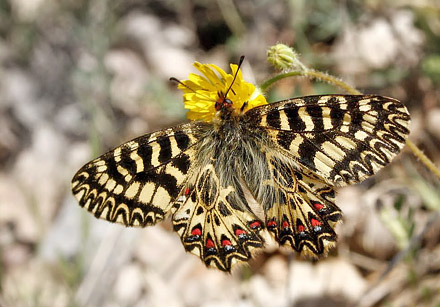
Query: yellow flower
[{"x": 201, "y": 92}]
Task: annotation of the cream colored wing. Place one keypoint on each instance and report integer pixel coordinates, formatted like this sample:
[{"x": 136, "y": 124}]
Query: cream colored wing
[
  {"x": 215, "y": 222},
  {"x": 136, "y": 183},
  {"x": 300, "y": 208},
  {"x": 343, "y": 139}
]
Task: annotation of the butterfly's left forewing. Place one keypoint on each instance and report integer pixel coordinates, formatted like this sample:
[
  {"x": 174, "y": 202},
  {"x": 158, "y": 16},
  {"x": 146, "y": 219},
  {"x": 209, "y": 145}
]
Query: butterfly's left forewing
[{"x": 136, "y": 183}]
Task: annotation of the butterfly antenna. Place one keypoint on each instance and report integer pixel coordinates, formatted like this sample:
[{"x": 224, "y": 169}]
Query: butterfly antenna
[
  {"x": 183, "y": 84},
  {"x": 235, "y": 76},
  {"x": 240, "y": 62}
]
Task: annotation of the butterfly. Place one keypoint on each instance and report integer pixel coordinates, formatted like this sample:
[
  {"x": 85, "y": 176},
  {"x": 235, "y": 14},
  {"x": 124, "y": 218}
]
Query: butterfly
[{"x": 287, "y": 156}]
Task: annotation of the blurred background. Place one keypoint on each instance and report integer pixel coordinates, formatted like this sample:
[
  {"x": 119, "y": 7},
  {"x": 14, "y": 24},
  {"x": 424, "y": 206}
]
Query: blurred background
[{"x": 78, "y": 77}]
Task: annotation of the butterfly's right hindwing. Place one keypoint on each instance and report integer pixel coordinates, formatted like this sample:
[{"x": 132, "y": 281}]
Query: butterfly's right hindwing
[
  {"x": 136, "y": 183},
  {"x": 300, "y": 207}
]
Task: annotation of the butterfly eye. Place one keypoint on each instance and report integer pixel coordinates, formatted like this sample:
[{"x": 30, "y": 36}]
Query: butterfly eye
[{"x": 222, "y": 103}]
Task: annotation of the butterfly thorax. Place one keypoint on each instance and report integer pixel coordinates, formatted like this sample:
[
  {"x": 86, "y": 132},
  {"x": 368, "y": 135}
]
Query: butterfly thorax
[{"x": 235, "y": 149}]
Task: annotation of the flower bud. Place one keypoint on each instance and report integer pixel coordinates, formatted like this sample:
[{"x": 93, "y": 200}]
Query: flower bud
[{"x": 284, "y": 58}]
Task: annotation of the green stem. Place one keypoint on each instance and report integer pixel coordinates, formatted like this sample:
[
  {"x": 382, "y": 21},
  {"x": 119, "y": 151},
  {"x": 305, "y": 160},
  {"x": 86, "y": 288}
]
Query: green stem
[
  {"x": 268, "y": 83},
  {"x": 332, "y": 80},
  {"x": 313, "y": 74}
]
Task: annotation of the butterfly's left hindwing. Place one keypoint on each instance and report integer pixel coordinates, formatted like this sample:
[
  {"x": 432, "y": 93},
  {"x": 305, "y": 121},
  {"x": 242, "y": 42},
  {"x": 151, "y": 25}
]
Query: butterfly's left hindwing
[
  {"x": 136, "y": 183},
  {"x": 214, "y": 221}
]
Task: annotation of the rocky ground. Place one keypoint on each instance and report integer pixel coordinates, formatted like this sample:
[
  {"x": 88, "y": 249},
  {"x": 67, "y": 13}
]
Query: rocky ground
[{"x": 80, "y": 77}]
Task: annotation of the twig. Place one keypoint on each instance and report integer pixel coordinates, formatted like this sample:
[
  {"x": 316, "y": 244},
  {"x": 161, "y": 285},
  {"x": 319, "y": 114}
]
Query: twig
[{"x": 423, "y": 158}]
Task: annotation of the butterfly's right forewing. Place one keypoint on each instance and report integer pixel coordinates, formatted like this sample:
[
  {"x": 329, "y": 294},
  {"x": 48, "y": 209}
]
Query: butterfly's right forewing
[{"x": 342, "y": 138}]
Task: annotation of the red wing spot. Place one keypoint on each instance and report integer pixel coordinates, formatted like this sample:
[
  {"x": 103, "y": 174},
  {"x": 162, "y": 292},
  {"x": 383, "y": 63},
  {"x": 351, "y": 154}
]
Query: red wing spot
[
  {"x": 301, "y": 228},
  {"x": 186, "y": 191},
  {"x": 210, "y": 243},
  {"x": 226, "y": 242},
  {"x": 272, "y": 224},
  {"x": 196, "y": 232},
  {"x": 286, "y": 224},
  {"x": 239, "y": 232},
  {"x": 255, "y": 224},
  {"x": 315, "y": 222},
  {"x": 318, "y": 206}
]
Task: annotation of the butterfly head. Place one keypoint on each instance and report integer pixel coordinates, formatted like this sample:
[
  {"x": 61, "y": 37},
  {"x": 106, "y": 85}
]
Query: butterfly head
[{"x": 223, "y": 104}]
